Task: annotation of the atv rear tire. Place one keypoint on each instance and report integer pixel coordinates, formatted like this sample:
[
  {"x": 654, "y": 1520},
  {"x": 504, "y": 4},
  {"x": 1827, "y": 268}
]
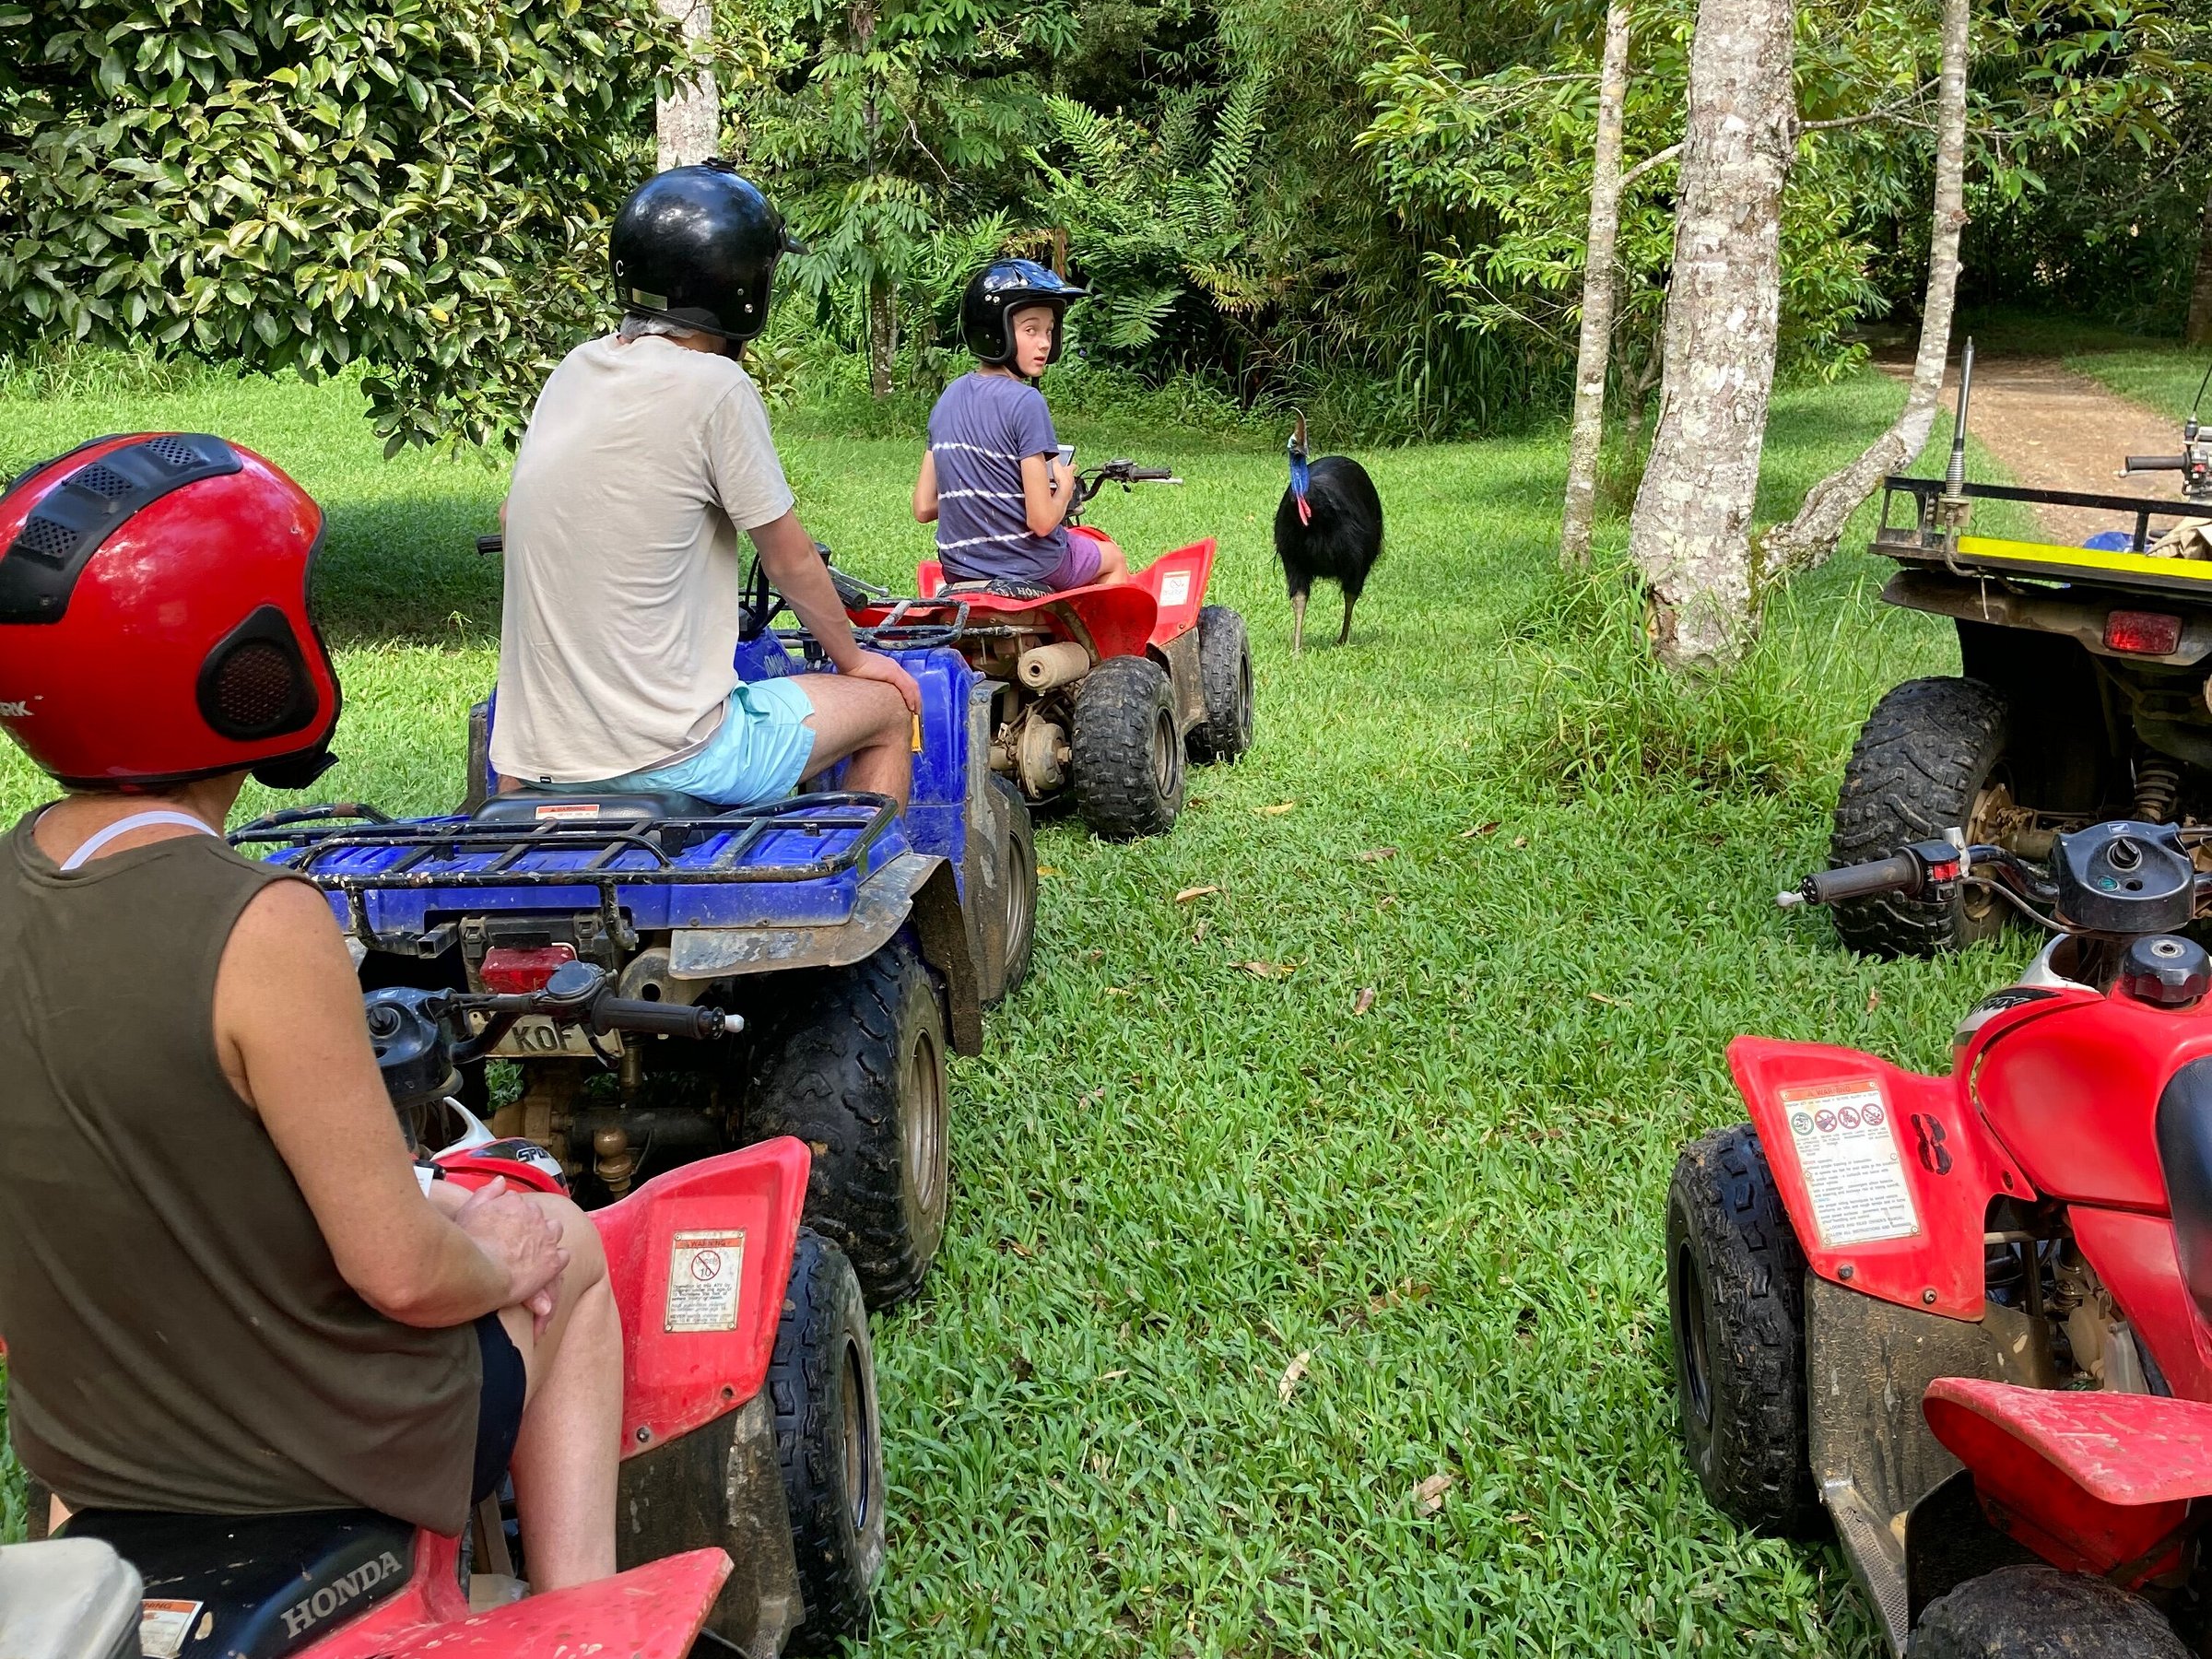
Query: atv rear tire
[
  {"x": 822, "y": 1386},
  {"x": 853, "y": 1064},
  {"x": 1127, "y": 749},
  {"x": 1020, "y": 874},
  {"x": 2041, "y": 1613},
  {"x": 1929, "y": 758},
  {"x": 1224, "y": 685},
  {"x": 1736, "y": 1293}
]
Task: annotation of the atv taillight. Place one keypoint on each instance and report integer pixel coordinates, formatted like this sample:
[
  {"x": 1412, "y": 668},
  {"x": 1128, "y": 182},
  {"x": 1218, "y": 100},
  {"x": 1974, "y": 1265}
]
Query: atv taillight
[
  {"x": 514, "y": 971},
  {"x": 2143, "y": 633}
]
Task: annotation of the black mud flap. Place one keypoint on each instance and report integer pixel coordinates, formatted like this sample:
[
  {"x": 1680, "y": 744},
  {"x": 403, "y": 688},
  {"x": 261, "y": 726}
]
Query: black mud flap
[
  {"x": 1867, "y": 1364},
  {"x": 941, "y": 925},
  {"x": 720, "y": 1485},
  {"x": 1949, "y": 1541}
]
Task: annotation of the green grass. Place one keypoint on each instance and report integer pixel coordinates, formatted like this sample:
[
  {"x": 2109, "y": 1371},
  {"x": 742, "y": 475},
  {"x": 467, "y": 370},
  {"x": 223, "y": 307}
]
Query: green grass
[{"x": 1177, "y": 1176}]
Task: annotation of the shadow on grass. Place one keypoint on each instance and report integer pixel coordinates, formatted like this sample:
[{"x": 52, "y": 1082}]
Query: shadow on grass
[{"x": 405, "y": 572}]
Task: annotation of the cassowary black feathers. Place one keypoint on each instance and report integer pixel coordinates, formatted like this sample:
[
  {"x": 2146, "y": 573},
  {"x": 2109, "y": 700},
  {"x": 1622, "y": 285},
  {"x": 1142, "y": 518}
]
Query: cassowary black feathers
[{"x": 1336, "y": 536}]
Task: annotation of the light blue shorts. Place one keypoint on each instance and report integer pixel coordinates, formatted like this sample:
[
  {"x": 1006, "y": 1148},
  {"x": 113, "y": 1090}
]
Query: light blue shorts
[{"x": 757, "y": 754}]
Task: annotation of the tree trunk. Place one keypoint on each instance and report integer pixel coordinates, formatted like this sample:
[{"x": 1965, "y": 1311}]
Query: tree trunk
[
  {"x": 1690, "y": 532},
  {"x": 2199, "y": 331},
  {"x": 1596, "y": 346},
  {"x": 689, "y": 119},
  {"x": 1808, "y": 539},
  {"x": 883, "y": 334}
]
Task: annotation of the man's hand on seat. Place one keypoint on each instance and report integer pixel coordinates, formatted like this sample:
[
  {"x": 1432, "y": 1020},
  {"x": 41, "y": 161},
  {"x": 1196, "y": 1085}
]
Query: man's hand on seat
[{"x": 875, "y": 666}]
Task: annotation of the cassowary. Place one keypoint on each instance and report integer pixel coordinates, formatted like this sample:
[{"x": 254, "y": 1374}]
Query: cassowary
[{"x": 1330, "y": 524}]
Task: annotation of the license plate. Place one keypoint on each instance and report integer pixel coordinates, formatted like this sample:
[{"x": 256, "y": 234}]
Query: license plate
[{"x": 535, "y": 1037}]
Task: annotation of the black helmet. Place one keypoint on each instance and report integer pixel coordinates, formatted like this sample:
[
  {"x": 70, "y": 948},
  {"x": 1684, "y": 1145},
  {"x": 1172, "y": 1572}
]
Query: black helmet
[
  {"x": 996, "y": 292},
  {"x": 698, "y": 245}
]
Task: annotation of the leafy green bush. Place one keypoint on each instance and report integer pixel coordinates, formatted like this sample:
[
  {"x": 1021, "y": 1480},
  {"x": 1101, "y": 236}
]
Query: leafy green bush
[{"x": 419, "y": 184}]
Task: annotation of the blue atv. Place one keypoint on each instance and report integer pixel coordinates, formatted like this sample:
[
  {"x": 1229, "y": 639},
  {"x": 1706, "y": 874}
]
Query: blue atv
[{"x": 851, "y": 944}]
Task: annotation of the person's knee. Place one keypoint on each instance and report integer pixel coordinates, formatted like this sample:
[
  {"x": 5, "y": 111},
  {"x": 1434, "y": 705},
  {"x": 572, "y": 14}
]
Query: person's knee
[{"x": 579, "y": 1237}]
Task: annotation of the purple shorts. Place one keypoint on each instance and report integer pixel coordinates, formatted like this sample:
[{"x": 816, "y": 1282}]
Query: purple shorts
[{"x": 1079, "y": 568}]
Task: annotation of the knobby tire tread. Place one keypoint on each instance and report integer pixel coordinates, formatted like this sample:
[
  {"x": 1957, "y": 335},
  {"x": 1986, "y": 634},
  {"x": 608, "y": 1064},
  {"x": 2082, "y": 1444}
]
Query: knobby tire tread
[
  {"x": 837, "y": 1568},
  {"x": 1922, "y": 756},
  {"x": 830, "y": 1076},
  {"x": 1755, "y": 1464},
  {"x": 2038, "y": 1612},
  {"x": 1224, "y": 652},
  {"x": 1116, "y": 789}
]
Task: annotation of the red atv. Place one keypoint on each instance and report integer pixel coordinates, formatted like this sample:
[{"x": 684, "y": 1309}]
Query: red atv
[
  {"x": 1097, "y": 694},
  {"x": 750, "y": 1505},
  {"x": 1971, "y": 1315}
]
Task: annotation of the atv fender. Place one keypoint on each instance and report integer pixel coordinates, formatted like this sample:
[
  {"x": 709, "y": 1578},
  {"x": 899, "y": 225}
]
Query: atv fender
[
  {"x": 1177, "y": 583},
  {"x": 1887, "y": 1174},
  {"x": 2093, "y": 1482},
  {"x": 914, "y": 887}
]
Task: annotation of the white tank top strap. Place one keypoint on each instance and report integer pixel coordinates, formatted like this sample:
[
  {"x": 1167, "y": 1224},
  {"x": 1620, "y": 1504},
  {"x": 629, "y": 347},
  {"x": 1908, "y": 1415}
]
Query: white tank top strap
[{"x": 122, "y": 827}]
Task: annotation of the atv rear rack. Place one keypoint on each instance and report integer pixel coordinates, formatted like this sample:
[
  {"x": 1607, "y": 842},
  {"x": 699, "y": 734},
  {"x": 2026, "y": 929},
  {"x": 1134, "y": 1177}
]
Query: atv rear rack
[
  {"x": 462, "y": 855},
  {"x": 1924, "y": 537}
]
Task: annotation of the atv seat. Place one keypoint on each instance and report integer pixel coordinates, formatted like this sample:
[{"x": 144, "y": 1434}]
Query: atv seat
[
  {"x": 2184, "y": 1135},
  {"x": 270, "y": 1584},
  {"x": 544, "y": 806}
]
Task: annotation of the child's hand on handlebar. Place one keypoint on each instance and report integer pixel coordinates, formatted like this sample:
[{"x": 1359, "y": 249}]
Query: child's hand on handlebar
[
  {"x": 875, "y": 666},
  {"x": 523, "y": 1241}
]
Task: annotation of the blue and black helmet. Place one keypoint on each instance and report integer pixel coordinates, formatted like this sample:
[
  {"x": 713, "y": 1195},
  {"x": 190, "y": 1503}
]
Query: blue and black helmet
[{"x": 996, "y": 292}]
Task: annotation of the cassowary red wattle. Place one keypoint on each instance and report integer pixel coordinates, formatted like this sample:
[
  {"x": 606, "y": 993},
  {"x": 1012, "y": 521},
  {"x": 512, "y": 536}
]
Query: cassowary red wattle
[{"x": 1329, "y": 525}]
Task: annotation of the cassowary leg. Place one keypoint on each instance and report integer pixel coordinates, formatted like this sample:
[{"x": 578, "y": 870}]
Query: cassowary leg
[
  {"x": 1298, "y": 623},
  {"x": 1346, "y": 637}
]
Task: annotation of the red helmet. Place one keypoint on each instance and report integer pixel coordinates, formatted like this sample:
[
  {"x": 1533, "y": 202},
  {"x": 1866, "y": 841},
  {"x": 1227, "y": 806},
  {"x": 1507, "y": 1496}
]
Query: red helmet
[{"x": 153, "y": 616}]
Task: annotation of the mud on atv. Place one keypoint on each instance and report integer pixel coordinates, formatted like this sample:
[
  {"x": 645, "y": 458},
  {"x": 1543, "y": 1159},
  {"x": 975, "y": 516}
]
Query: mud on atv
[{"x": 856, "y": 947}]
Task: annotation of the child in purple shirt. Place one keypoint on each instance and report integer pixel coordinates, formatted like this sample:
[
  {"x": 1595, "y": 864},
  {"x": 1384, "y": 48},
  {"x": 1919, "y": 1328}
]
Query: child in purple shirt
[{"x": 990, "y": 481}]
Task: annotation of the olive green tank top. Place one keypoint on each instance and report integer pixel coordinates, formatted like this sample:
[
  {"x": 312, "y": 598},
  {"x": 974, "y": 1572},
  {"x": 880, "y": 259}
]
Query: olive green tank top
[{"x": 178, "y": 1336}]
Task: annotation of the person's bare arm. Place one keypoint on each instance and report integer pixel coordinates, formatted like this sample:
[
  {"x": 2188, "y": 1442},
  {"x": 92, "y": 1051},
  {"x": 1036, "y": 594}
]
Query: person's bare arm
[
  {"x": 925, "y": 491},
  {"x": 291, "y": 1035},
  {"x": 1046, "y": 493},
  {"x": 798, "y": 573}
]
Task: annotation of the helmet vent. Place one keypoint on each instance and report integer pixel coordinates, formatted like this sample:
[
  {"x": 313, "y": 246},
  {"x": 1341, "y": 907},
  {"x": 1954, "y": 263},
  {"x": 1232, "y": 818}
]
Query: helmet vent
[
  {"x": 254, "y": 688},
  {"x": 178, "y": 453},
  {"x": 45, "y": 538},
  {"x": 103, "y": 481}
]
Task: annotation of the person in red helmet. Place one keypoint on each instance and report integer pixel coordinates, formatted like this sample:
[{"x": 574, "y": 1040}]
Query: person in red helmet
[{"x": 222, "y": 1288}]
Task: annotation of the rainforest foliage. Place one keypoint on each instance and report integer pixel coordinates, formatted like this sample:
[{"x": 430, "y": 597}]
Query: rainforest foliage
[{"x": 1372, "y": 211}]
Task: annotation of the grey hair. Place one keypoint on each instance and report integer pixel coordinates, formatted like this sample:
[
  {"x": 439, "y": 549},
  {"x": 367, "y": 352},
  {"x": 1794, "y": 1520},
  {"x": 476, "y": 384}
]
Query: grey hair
[{"x": 635, "y": 324}]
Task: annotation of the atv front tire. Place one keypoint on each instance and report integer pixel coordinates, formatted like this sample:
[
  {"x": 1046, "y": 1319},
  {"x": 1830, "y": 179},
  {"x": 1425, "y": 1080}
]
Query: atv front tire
[
  {"x": 2041, "y": 1613},
  {"x": 1225, "y": 686},
  {"x": 1929, "y": 758},
  {"x": 1021, "y": 878},
  {"x": 822, "y": 1386},
  {"x": 1127, "y": 749},
  {"x": 853, "y": 1064},
  {"x": 1735, "y": 1294}
]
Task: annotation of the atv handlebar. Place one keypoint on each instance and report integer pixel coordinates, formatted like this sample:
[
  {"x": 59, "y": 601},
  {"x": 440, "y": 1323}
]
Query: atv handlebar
[
  {"x": 578, "y": 993},
  {"x": 2136, "y": 464},
  {"x": 1900, "y": 873}
]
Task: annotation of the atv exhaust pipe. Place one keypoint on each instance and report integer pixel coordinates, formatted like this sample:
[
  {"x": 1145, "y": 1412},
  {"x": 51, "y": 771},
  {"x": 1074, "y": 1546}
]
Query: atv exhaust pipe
[{"x": 1044, "y": 666}]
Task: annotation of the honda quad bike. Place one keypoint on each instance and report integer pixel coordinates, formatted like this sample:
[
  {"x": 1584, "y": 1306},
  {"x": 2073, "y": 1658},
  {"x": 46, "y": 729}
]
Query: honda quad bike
[
  {"x": 2084, "y": 693},
  {"x": 857, "y": 945},
  {"x": 1099, "y": 695},
  {"x": 749, "y": 1510},
  {"x": 1970, "y": 1316}
]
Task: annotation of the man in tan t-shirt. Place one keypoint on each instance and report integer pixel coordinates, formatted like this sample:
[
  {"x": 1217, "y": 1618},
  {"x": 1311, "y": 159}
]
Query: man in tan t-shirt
[{"x": 648, "y": 452}]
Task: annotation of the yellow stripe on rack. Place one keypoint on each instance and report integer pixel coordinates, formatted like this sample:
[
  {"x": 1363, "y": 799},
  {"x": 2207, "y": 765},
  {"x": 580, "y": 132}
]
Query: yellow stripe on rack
[{"x": 2077, "y": 564}]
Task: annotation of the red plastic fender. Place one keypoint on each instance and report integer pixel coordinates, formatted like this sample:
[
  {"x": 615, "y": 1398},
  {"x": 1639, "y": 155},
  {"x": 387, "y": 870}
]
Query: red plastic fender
[
  {"x": 699, "y": 1259},
  {"x": 2133, "y": 1255},
  {"x": 1177, "y": 583},
  {"x": 650, "y": 1612},
  {"x": 1887, "y": 1174},
  {"x": 2093, "y": 1482}
]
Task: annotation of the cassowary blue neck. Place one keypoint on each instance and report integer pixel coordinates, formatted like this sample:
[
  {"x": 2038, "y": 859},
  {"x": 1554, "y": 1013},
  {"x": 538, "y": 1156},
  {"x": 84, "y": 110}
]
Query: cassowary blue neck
[{"x": 1302, "y": 475}]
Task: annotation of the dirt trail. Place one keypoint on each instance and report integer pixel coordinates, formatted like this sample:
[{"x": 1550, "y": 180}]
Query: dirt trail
[{"x": 2053, "y": 429}]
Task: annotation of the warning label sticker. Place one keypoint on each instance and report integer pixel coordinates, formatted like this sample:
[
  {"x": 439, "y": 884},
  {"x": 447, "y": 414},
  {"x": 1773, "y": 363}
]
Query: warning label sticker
[
  {"x": 703, "y": 1271},
  {"x": 164, "y": 1625},
  {"x": 1847, "y": 1147},
  {"x": 1174, "y": 589}
]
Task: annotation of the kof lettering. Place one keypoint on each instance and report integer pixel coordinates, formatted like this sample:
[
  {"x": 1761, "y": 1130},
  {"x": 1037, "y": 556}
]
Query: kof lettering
[
  {"x": 315, "y": 1609},
  {"x": 15, "y": 711}
]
